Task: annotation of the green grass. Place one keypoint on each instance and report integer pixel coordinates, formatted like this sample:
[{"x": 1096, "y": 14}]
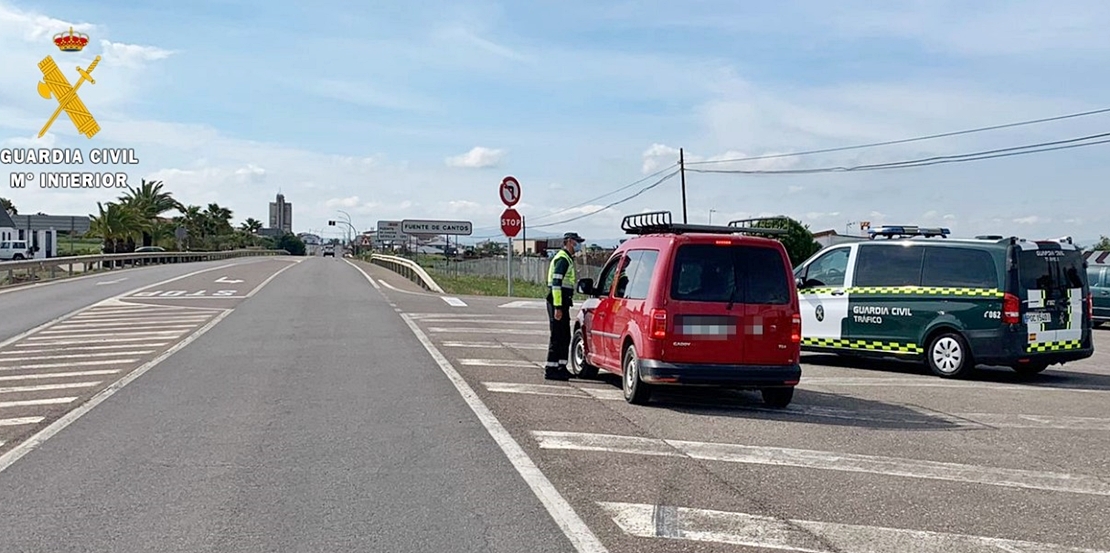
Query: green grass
[{"x": 470, "y": 285}]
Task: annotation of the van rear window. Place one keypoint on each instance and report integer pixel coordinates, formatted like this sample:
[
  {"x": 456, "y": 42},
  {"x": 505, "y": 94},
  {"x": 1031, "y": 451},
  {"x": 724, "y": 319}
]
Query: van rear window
[
  {"x": 746, "y": 274},
  {"x": 1050, "y": 269}
]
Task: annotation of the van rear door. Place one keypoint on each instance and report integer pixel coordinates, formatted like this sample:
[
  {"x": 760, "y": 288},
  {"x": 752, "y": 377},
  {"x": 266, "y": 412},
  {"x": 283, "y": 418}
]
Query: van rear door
[
  {"x": 1052, "y": 288},
  {"x": 733, "y": 304}
]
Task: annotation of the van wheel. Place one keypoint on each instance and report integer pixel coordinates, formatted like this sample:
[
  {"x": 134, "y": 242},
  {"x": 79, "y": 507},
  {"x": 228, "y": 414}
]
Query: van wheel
[
  {"x": 778, "y": 398},
  {"x": 636, "y": 391},
  {"x": 17, "y": 257},
  {"x": 578, "y": 365},
  {"x": 948, "y": 355},
  {"x": 1030, "y": 369}
]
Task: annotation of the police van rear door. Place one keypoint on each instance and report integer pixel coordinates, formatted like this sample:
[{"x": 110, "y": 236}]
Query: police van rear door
[{"x": 1052, "y": 287}]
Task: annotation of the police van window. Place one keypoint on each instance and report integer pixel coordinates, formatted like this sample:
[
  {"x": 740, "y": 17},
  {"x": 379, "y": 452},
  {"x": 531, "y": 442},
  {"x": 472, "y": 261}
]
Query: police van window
[
  {"x": 888, "y": 265},
  {"x": 643, "y": 261},
  {"x": 1049, "y": 269},
  {"x": 1094, "y": 276},
  {"x": 959, "y": 268},
  {"x": 829, "y": 269},
  {"x": 746, "y": 274},
  {"x": 605, "y": 282}
]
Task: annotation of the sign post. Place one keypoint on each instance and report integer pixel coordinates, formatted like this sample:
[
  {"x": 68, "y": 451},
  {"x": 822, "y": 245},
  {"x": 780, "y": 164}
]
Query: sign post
[{"x": 511, "y": 221}]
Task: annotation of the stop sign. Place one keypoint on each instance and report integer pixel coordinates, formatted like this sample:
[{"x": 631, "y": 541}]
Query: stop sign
[{"x": 511, "y": 222}]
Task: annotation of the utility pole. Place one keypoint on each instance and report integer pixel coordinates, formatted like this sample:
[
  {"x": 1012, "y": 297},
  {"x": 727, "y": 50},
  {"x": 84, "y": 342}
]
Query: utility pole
[{"x": 682, "y": 169}]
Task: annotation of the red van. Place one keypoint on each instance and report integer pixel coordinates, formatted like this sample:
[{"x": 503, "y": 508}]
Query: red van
[{"x": 693, "y": 305}]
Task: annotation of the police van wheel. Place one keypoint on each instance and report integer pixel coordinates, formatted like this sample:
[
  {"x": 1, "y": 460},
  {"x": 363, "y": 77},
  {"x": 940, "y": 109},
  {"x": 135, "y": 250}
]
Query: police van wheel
[
  {"x": 778, "y": 398},
  {"x": 636, "y": 391},
  {"x": 948, "y": 355},
  {"x": 578, "y": 365}
]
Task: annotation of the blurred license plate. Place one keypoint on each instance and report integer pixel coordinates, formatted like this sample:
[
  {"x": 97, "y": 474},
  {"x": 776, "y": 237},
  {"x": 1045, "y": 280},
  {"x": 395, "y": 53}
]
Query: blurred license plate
[{"x": 1038, "y": 318}]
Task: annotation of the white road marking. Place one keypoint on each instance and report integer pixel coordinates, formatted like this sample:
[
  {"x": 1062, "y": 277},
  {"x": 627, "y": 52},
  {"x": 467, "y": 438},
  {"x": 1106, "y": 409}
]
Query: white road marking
[
  {"x": 557, "y": 391},
  {"x": 475, "y": 330},
  {"x": 494, "y": 345},
  {"x": 37, "y": 402},
  {"x": 579, "y": 534},
  {"x": 1053, "y": 422},
  {"x": 499, "y": 363},
  {"x": 457, "y": 319},
  {"x": 118, "y": 323},
  {"x": 116, "y": 335},
  {"x": 77, "y": 355},
  {"x": 7, "y": 459},
  {"x": 468, "y": 316},
  {"x": 69, "y": 364},
  {"x": 21, "y": 421},
  {"x": 80, "y": 348},
  {"x": 454, "y": 302},
  {"x": 46, "y": 387},
  {"x": 196, "y": 297},
  {"x": 682, "y": 523},
  {"x": 825, "y": 460},
  {"x": 391, "y": 287},
  {"x": 272, "y": 277},
  {"x": 94, "y": 331},
  {"x": 61, "y": 341},
  {"x": 118, "y": 280},
  {"x": 524, "y": 304},
  {"x": 58, "y": 375}
]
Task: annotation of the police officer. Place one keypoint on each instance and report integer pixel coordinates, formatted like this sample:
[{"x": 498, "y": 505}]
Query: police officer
[{"x": 561, "y": 278}]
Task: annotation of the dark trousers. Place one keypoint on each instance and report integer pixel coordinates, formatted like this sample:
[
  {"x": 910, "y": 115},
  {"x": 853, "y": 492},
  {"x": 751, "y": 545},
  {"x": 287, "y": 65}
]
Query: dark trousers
[{"x": 558, "y": 349}]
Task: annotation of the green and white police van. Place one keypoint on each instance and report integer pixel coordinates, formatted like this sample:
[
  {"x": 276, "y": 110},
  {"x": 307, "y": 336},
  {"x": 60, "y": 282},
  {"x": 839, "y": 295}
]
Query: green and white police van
[{"x": 952, "y": 303}]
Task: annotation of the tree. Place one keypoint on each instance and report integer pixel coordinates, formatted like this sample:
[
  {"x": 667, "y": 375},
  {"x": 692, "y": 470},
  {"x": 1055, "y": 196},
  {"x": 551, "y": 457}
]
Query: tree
[
  {"x": 290, "y": 243},
  {"x": 1103, "y": 244},
  {"x": 149, "y": 201},
  {"x": 116, "y": 224},
  {"x": 798, "y": 240},
  {"x": 251, "y": 225},
  {"x": 7, "y": 205}
]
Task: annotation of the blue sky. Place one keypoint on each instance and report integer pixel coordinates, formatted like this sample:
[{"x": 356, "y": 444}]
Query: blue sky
[{"x": 392, "y": 110}]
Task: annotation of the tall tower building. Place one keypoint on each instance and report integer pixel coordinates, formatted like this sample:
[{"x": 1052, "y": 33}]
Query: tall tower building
[{"x": 281, "y": 214}]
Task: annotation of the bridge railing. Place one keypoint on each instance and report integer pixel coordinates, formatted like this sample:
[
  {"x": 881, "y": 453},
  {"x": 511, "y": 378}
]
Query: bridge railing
[
  {"x": 408, "y": 269},
  {"x": 13, "y": 273}
]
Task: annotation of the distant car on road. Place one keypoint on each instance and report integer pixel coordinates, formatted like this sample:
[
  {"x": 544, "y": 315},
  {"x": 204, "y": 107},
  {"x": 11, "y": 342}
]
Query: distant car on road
[
  {"x": 15, "y": 250},
  {"x": 150, "y": 249},
  {"x": 692, "y": 304},
  {"x": 329, "y": 251}
]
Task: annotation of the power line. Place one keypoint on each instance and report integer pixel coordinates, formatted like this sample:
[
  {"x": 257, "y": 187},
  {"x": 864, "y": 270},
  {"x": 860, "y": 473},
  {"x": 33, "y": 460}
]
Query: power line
[
  {"x": 906, "y": 140},
  {"x": 613, "y": 204},
  {"x": 607, "y": 194},
  {"x": 935, "y": 160}
]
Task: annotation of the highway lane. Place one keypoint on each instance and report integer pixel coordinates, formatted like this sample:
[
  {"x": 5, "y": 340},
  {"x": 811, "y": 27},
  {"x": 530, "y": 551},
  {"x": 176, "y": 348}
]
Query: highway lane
[
  {"x": 871, "y": 456},
  {"x": 310, "y": 418},
  {"x": 26, "y": 307}
]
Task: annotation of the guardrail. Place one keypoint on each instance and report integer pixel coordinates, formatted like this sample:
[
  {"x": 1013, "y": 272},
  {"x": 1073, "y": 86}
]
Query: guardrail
[
  {"x": 408, "y": 269},
  {"x": 35, "y": 270}
]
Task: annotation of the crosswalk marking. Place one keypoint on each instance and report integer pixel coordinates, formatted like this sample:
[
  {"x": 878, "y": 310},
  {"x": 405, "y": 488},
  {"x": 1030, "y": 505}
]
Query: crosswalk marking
[
  {"x": 499, "y": 363},
  {"x": 37, "y": 402},
  {"x": 495, "y": 345},
  {"x": 682, "y": 523},
  {"x": 46, "y": 387},
  {"x": 61, "y": 341},
  {"x": 79, "y": 348},
  {"x": 558, "y": 391},
  {"x": 480, "y": 330},
  {"x": 454, "y": 302},
  {"x": 933, "y": 382},
  {"x": 446, "y": 320},
  {"x": 41, "y": 376},
  {"x": 21, "y": 421},
  {"x": 95, "y": 332},
  {"x": 78, "y": 355},
  {"x": 68, "y": 364},
  {"x": 524, "y": 304},
  {"x": 108, "y": 327},
  {"x": 825, "y": 460}
]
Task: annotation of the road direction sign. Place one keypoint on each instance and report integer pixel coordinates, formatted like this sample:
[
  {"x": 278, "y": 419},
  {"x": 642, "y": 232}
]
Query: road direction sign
[
  {"x": 420, "y": 226},
  {"x": 511, "y": 222},
  {"x": 510, "y": 191},
  {"x": 389, "y": 231}
]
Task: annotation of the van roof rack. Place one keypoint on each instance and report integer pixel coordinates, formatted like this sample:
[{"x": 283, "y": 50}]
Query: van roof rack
[
  {"x": 659, "y": 222},
  {"x": 891, "y": 231}
]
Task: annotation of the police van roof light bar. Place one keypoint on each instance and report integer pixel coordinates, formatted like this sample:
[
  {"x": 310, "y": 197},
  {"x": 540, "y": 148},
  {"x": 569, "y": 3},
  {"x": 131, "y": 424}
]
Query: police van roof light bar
[
  {"x": 890, "y": 231},
  {"x": 659, "y": 222}
]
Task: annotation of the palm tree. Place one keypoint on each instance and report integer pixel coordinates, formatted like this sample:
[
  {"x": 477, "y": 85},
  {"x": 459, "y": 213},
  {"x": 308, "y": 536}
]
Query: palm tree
[
  {"x": 251, "y": 225},
  {"x": 150, "y": 201},
  {"x": 117, "y": 225},
  {"x": 8, "y": 206}
]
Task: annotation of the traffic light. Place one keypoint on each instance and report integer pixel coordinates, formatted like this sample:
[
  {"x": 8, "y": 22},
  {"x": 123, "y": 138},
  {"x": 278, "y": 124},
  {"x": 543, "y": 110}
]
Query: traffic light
[{"x": 331, "y": 223}]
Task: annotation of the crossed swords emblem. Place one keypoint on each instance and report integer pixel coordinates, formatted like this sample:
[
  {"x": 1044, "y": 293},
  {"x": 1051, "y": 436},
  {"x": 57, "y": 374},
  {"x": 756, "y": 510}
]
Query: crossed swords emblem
[{"x": 55, "y": 84}]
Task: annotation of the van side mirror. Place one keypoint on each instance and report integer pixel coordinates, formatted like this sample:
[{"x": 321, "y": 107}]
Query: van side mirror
[
  {"x": 586, "y": 286},
  {"x": 800, "y": 282}
]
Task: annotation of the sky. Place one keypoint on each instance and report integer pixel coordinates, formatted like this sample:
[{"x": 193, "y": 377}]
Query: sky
[{"x": 398, "y": 110}]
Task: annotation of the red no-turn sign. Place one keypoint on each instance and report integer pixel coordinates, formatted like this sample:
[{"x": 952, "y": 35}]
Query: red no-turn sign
[
  {"x": 510, "y": 191},
  {"x": 511, "y": 222}
]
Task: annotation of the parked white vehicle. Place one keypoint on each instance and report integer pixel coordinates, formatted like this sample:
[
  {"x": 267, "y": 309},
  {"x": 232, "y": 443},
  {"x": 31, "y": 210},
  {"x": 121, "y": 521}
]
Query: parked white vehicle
[{"x": 15, "y": 250}]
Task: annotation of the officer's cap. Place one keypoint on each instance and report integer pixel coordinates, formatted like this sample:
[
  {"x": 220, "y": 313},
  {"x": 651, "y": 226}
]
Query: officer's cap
[{"x": 573, "y": 236}]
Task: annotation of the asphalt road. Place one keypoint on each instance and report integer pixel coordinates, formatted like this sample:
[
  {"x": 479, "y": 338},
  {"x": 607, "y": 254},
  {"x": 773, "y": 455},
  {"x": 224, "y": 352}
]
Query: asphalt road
[{"x": 318, "y": 404}]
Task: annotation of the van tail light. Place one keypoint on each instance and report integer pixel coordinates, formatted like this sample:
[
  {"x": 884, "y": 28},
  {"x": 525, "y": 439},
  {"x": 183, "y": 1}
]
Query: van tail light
[
  {"x": 1091, "y": 307},
  {"x": 658, "y": 323},
  {"x": 1011, "y": 309},
  {"x": 796, "y": 329}
]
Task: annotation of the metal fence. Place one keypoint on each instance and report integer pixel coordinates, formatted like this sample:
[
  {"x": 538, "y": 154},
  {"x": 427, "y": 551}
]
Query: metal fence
[
  {"x": 530, "y": 269},
  {"x": 34, "y": 270}
]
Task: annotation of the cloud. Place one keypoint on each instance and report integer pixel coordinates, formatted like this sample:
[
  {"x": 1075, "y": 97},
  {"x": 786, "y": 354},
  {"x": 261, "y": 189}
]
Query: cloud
[
  {"x": 477, "y": 158},
  {"x": 342, "y": 202},
  {"x": 1031, "y": 220},
  {"x": 658, "y": 156},
  {"x": 131, "y": 55}
]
